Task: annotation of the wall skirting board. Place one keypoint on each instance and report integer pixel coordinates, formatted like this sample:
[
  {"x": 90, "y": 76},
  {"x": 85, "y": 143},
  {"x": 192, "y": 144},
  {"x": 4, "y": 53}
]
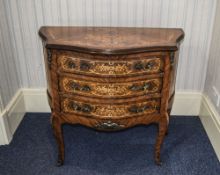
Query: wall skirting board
[
  {"x": 211, "y": 122},
  {"x": 11, "y": 117},
  {"x": 35, "y": 100}
]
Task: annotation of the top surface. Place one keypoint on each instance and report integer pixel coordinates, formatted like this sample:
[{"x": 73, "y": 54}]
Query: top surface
[{"x": 111, "y": 39}]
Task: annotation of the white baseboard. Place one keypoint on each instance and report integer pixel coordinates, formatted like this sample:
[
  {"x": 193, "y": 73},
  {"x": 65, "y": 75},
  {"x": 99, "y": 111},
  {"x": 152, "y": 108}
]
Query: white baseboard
[
  {"x": 5, "y": 134},
  {"x": 36, "y": 100},
  {"x": 211, "y": 121},
  {"x": 186, "y": 103},
  {"x": 11, "y": 117}
]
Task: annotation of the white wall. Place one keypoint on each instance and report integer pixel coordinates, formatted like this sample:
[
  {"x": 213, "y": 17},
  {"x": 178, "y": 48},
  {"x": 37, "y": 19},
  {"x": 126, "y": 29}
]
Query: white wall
[
  {"x": 213, "y": 71},
  {"x": 195, "y": 16},
  {"x": 9, "y": 75}
]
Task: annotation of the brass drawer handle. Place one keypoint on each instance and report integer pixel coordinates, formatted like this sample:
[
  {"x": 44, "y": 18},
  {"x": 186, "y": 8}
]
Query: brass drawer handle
[
  {"x": 141, "y": 66},
  {"x": 137, "y": 109},
  {"x": 84, "y": 66},
  {"x": 74, "y": 86},
  {"x": 150, "y": 65},
  {"x": 109, "y": 125},
  {"x": 78, "y": 87},
  {"x": 145, "y": 86},
  {"x": 81, "y": 108},
  {"x": 138, "y": 66},
  {"x": 71, "y": 65},
  {"x": 86, "y": 88},
  {"x": 86, "y": 108}
]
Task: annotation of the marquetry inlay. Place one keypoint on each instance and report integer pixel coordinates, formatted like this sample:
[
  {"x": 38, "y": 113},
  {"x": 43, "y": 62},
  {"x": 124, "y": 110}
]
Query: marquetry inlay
[
  {"x": 110, "y": 110},
  {"x": 98, "y": 89},
  {"x": 74, "y": 64}
]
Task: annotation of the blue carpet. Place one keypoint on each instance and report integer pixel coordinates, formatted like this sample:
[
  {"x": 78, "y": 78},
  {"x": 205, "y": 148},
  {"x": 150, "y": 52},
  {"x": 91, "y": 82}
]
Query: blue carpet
[{"x": 186, "y": 150}]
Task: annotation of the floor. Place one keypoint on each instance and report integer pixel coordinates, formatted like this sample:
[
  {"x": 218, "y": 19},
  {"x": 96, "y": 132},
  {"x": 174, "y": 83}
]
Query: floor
[{"x": 186, "y": 150}]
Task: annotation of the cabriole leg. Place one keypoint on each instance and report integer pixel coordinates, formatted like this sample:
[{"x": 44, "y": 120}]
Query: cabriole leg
[
  {"x": 58, "y": 133},
  {"x": 163, "y": 124}
]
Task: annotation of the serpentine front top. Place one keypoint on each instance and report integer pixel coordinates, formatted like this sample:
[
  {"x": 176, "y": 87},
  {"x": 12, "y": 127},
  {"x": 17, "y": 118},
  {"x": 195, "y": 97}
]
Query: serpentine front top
[{"x": 111, "y": 40}]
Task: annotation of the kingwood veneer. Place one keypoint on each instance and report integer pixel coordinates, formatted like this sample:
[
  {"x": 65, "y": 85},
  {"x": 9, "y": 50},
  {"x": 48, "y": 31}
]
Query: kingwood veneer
[{"x": 110, "y": 78}]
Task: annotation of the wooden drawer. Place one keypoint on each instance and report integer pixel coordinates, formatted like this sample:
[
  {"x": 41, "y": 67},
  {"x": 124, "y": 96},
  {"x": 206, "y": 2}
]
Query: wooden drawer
[
  {"x": 104, "y": 89},
  {"x": 111, "y": 66},
  {"x": 115, "y": 109}
]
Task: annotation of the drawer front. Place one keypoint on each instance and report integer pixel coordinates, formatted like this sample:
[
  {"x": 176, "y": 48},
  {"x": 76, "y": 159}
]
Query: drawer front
[
  {"x": 142, "y": 65},
  {"x": 110, "y": 110},
  {"x": 105, "y": 89}
]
